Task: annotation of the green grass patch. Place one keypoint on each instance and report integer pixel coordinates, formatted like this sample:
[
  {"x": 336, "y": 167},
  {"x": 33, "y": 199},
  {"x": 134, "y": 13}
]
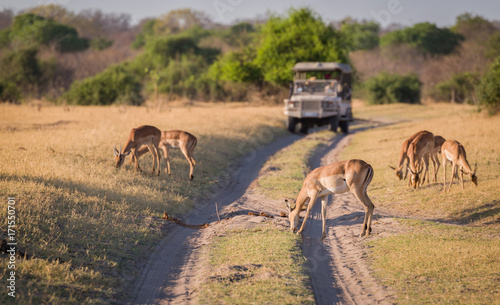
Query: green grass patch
[
  {"x": 259, "y": 266},
  {"x": 283, "y": 174},
  {"x": 440, "y": 264}
]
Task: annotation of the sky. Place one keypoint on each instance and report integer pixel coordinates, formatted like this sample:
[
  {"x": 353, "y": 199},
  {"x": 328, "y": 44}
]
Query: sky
[{"x": 385, "y": 12}]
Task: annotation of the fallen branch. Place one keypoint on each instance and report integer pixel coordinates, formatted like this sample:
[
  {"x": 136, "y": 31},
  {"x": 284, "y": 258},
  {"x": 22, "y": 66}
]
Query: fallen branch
[{"x": 181, "y": 223}]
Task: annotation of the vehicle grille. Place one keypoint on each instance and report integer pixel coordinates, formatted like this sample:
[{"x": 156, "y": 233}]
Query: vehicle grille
[{"x": 311, "y": 105}]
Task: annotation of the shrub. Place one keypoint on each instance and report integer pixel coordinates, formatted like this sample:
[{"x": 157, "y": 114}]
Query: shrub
[
  {"x": 301, "y": 36},
  {"x": 9, "y": 92},
  {"x": 459, "y": 89},
  {"x": 426, "y": 37},
  {"x": 115, "y": 84},
  {"x": 392, "y": 88},
  {"x": 488, "y": 91}
]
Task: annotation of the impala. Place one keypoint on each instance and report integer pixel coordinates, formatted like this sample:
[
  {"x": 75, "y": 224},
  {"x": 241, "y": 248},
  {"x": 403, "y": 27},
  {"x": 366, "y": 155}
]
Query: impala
[
  {"x": 454, "y": 152},
  {"x": 142, "y": 135},
  {"x": 176, "y": 139},
  {"x": 336, "y": 178},
  {"x": 419, "y": 150},
  {"x": 438, "y": 142},
  {"x": 404, "y": 157}
]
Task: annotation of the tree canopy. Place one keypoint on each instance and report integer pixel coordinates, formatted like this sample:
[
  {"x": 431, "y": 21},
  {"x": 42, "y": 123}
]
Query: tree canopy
[
  {"x": 301, "y": 36},
  {"x": 426, "y": 37}
]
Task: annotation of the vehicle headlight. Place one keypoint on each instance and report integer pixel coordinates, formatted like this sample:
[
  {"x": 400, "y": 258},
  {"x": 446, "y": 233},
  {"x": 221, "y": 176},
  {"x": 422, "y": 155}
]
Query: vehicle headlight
[
  {"x": 327, "y": 105},
  {"x": 293, "y": 104}
]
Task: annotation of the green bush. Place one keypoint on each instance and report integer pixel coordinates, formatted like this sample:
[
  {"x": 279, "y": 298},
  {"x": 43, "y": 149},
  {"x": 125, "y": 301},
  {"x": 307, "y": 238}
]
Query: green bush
[
  {"x": 115, "y": 84},
  {"x": 30, "y": 30},
  {"x": 426, "y": 37},
  {"x": 100, "y": 43},
  {"x": 392, "y": 88},
  {"x": 489, "y": 89},
  {"x": 236, "y": 67},
  {"x": 9, "y": 92},
  {"x": 459, "y": 89}
]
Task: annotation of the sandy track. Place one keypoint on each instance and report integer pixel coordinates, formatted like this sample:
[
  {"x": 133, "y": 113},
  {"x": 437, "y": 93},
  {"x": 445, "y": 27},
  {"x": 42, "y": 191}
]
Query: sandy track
[
  {"x": 170, "y": 273},
  {"x": 338, "y": 265}
]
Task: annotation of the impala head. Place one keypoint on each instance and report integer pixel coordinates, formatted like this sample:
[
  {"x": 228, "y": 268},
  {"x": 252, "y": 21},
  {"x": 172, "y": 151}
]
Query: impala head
[
  {"x": 414, "y": 177},
  {"x": 293, "y": 217},
  {"x": 119, "y": 156},
  {"x": 399, "y": 172},
  {"x": 473, "y": 176}
]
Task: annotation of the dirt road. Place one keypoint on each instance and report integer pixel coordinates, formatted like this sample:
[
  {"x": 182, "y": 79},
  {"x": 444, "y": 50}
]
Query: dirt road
[{"x": 339, "y": 271}]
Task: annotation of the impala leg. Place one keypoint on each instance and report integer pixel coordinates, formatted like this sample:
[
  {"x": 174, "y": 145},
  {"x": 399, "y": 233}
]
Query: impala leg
[
  {"x": 158, "y": 159},
  {"x": 190, "y": 161},
  {"x": 312, "y": 199},
  {"x": 453, "y": 168},
  {"x": 167, "y": 159},
  {"x": 437, "y": 168},
  {"x": 444, "y": 175},
  {"x": 362, "y": 196},
  {"x": 324, "y": 203},
  {"x": 462, "y": 177},
  {"x": 137, "y": 167},
  {"x": 153, "y": 153}
]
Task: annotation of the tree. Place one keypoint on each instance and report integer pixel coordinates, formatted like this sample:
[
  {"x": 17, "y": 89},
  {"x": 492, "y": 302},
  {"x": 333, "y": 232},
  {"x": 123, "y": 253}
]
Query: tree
[
  {"x": 474, "y": 27},
  {"x": 489, "y": 88},
  {"x": 392, "y": 88},
  {"x": 426, "y": 37},
  {"x": 360, "y": 35},
  {"x": 177, "y": 21},
  {"x": 302, "y": 36},
  {"x": 32, "y": 30}
]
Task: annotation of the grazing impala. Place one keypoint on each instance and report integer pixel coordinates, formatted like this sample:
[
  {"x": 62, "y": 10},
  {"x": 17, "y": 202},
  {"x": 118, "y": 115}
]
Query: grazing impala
[
  {"x": 419, "y": 150},
  {"x": 438, "y": 142},
  {"x": 404, "y": 157},
  {"x": 176, "y": 139},
  {"x": 142, "y": 135},
  {"x": 336, "y": 178},
  {"x": 455, "y": 153}
]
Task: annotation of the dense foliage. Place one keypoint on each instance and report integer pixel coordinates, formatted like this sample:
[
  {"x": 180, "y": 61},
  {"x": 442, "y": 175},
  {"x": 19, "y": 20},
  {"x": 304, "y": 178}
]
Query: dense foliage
[
  {"x": 461, "y": 88},
  {"x": 388, "y": 88},
  {"x": 489, "y": 88},
  {"x": 426, "y": 37},
  {"x": 360, "y": 35},
  {"x": 30, "y": 30},
  {"x": 115, "y": 84},
  {"x": 302, "y": 36}
]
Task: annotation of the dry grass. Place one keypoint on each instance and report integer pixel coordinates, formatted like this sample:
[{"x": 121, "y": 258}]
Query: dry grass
[
  {"x": 260, "y": 266},
  {"x": 436, "y": 263},
  {"x": 73, "y": 205},
  {"x": 476, "y": 131}
]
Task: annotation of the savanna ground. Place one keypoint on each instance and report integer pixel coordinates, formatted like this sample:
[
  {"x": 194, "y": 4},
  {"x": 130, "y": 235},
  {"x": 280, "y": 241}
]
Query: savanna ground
[{"x": 88, "y": 225}]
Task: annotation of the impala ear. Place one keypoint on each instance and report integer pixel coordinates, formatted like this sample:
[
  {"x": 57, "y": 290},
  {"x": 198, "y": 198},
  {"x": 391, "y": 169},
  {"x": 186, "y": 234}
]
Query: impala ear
[
  {"x": 127, "y": 153},
  {"x": 421, "y": 170},
  {"x": 392, "y": 167},
  {"x": 117, "y": 153},
  {"x": 409, "y": 169},
  {"x": 475, "y": 168}
]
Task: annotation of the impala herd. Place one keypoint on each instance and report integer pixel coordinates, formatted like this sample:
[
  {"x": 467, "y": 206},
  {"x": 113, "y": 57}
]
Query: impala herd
[
  {"x": 336, "y": 178},
  {"x": 422, "y": 146}
]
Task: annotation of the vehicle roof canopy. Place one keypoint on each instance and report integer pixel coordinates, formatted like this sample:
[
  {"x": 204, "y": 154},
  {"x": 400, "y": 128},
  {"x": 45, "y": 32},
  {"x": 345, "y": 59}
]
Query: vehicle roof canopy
[{"x": 321, "y": 66}]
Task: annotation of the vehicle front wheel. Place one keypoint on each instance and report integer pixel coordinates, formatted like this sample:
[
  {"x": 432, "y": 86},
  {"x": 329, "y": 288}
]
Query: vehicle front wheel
[
  {"x": 291, "y": 123},
  {"x": 334, "y": 123},
  {"x": 344, "y": 126}
]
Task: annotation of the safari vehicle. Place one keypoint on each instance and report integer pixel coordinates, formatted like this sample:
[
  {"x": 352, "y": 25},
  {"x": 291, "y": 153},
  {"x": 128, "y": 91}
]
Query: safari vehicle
[{"x": 320, "y": 94}]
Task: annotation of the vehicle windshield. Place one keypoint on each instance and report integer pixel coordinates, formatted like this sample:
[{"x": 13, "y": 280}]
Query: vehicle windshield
[{"x": 315, "y": 86}]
